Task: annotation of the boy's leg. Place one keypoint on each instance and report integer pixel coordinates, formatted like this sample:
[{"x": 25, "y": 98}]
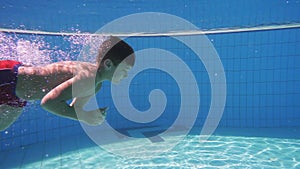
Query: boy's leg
[{"x": 8, "y": 115}]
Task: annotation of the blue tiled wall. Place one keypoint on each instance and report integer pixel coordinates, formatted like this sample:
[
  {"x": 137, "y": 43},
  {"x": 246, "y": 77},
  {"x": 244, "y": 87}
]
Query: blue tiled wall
[{"x": 263, "y": 83}]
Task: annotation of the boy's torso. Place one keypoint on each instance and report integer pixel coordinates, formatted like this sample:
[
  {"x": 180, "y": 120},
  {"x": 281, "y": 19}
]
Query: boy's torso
[{"x": 35, "y": 82}]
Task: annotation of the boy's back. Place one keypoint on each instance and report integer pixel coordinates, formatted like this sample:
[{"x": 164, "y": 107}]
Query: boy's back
[{"x": 35, "y": 82}]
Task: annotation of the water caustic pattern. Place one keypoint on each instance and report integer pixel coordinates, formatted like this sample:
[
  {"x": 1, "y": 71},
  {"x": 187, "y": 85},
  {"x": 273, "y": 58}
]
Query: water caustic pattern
[
  {"x": 225, "y": 152},
  {"x": 217, "y": 152},
  {"x": 243, "y": 152}
]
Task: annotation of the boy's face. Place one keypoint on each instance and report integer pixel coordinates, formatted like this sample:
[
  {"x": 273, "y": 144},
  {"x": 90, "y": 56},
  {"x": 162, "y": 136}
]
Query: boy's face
[{"x": 121, "y": 72}]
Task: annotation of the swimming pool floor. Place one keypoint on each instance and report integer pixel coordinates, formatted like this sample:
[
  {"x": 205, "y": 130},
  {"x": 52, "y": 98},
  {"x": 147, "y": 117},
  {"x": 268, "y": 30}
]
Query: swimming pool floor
[{"x": 227, "y": 148}]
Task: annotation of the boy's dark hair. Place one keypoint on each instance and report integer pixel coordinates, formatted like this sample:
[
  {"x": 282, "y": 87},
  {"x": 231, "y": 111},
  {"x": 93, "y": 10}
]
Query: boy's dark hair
[{"x": 116, "y": 50}]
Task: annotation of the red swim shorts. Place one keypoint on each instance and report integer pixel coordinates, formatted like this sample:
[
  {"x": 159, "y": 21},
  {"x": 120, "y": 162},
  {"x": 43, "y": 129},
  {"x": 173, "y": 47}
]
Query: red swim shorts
[{"x": 8, "y": 82}]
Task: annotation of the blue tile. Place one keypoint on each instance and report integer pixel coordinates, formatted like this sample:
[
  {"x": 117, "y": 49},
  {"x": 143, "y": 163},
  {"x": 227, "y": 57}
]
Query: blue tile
[
  {"x": 51, "y": 154},
  {"x": 33, "y": 155},
  {"x": 13, "y": 158},
  {"x": 7, "y": 144}
]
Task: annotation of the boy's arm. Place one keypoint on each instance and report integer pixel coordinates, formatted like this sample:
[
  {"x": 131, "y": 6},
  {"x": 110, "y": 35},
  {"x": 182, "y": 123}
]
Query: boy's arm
[{"x": 55, "y": 102}]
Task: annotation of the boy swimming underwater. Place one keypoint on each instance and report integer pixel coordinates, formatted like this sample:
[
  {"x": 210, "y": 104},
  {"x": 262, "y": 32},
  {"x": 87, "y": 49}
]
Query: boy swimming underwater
[{"x": 52, "y": 84}]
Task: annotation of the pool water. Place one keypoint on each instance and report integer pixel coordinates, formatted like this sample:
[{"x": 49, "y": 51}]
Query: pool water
[
  {"x": 225, "y": 149},
  {"x": 261, "y": 115}
]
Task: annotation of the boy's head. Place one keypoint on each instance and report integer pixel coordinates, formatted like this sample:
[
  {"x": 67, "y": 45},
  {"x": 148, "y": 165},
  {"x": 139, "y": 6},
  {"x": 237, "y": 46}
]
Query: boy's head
[{"x": 115, "y": 53}]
